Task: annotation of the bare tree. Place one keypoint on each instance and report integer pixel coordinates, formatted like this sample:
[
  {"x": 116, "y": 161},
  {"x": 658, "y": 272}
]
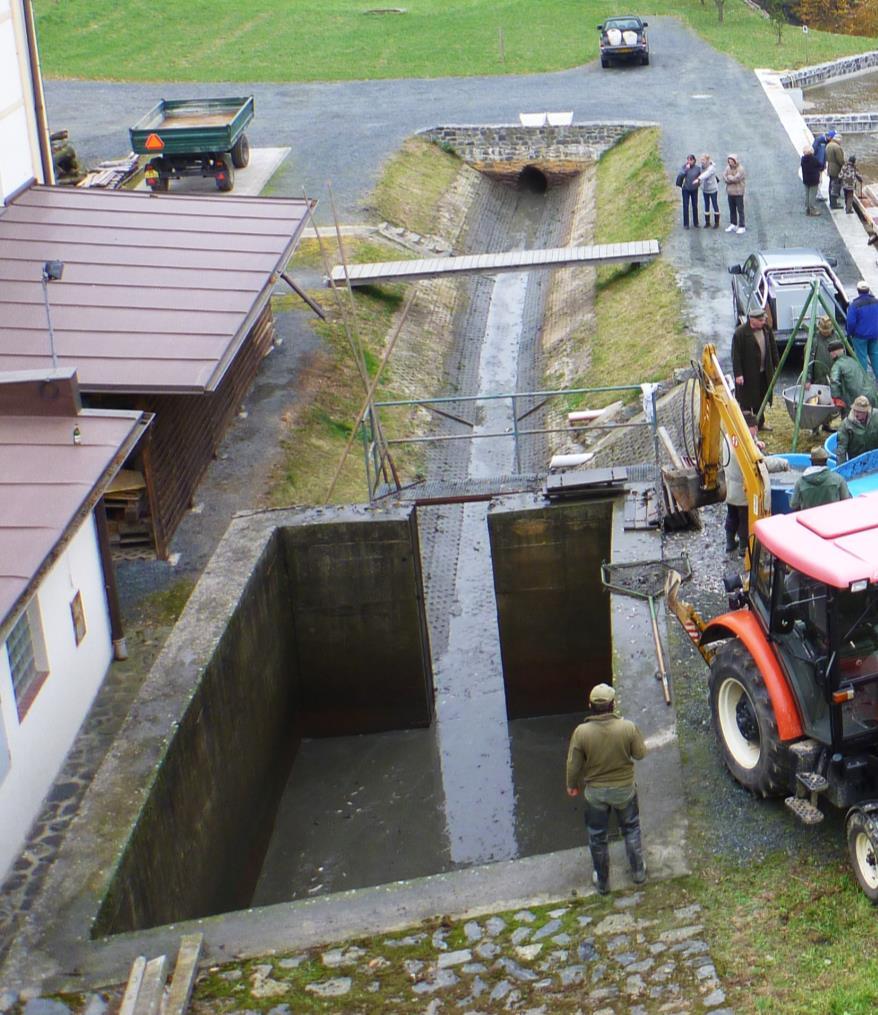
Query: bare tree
[
  {"x": 720, "y": 6},
  {"x": 775, "y": 11}
]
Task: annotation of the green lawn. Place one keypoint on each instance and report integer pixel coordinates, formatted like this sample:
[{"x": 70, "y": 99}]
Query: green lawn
[{"x": 314, "y": 40}]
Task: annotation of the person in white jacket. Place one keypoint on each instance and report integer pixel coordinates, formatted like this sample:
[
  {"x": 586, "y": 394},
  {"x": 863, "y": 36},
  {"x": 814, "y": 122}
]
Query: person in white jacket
[
  {"x": 708, "y": 181},
  {"x": 737, "y": 523}
]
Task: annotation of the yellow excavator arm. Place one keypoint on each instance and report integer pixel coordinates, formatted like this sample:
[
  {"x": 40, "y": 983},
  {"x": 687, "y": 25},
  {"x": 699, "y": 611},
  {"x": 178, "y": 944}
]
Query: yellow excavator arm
[{"x": 700, "y": 484}]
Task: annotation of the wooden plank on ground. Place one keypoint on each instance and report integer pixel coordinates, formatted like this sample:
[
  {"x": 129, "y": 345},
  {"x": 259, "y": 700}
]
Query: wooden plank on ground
[
  {"x": 152, "y": 989},
  {"x": 185, "y": 971},
  {"x": 129, "y": 999}
]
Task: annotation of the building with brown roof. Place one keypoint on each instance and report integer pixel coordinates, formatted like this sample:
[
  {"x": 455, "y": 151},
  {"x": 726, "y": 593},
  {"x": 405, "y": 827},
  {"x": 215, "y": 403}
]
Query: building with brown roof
[{"x": 58, "y": 614}]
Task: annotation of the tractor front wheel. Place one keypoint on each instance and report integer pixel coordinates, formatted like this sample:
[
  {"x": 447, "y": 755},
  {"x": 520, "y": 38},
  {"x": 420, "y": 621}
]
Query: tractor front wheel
[
  {"x": 863, "y": 852},
  {"x": 745, "y": 725}
]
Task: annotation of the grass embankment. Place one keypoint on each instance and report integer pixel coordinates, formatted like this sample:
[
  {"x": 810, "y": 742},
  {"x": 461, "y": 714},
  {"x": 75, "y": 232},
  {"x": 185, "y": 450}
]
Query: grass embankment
[
  {"x": 639, "y": 335},
  {"x": 317, "y": 431},
  {"x": 334, "y": 40}
]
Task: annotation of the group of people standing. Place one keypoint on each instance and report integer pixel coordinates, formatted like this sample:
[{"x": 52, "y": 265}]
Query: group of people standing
[
  {"x": 702, "y": 175},
  {"x": 827, "y": 155}
]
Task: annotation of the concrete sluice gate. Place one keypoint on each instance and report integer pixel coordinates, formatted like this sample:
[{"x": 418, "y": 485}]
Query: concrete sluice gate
[{"x": 366, "y": 695}]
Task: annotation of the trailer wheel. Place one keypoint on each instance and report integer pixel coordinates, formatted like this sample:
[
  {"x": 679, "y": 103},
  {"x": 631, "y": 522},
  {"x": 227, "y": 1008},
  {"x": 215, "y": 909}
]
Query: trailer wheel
[
  {"x": 226, "y": 181},
  {"x": 863, "y": 852},
  {"x": 241, "y": 152},
  {"x": 745, "y": 725}
]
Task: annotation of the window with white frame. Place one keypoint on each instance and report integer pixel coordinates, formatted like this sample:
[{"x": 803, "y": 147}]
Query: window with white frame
[{"x": 27, "y": 657}]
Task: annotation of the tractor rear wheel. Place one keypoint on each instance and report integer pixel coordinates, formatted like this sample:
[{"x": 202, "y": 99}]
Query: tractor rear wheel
[
  {"x": 745, "y": 724},
  {"x": 863, "y": 852}
]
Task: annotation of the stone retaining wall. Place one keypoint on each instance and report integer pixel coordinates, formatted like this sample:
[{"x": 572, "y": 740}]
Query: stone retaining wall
[
  {"x": 506, "y": 148},
  {"x": 820, "y": 73},
  {"x": 847, "y": 123}
]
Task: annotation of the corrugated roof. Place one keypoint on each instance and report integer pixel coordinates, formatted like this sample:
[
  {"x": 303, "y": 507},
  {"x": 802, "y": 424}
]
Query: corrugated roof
[
  {"x": 158, "y": 292},
  {"x": 46, "y": 482}
]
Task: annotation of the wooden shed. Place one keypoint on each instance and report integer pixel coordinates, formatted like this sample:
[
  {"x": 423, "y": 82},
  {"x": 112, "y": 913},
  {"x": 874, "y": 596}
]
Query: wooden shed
[{"x": 163, "y": 305}]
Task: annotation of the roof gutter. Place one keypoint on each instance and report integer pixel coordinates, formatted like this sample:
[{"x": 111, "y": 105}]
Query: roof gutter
[{"x": 39, "y": 98}]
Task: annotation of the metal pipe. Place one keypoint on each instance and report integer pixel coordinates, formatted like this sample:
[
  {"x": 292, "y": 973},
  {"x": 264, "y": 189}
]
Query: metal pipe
[
  {"x": 39, "y": 99},
  {"x": 45, "y": 282},
  {"x": 509, "y": 394},
  {"x": 508, "y": 433}
]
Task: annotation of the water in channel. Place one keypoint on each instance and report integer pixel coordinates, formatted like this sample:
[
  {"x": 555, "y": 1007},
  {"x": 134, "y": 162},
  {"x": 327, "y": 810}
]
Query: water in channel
[
  {"x": 851, "y": 95},
  {"x": 473, "y": 788}
]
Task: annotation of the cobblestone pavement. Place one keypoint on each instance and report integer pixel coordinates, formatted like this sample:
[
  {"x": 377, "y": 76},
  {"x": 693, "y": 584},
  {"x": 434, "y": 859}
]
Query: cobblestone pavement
[{"x": 623, "y": 954}]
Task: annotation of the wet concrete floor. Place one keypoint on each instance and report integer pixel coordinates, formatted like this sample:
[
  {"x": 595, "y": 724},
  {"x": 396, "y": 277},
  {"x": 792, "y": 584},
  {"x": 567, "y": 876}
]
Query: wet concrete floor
[
  {"x": 852, "y": 95},
  {"x": 474, "y": 788}
]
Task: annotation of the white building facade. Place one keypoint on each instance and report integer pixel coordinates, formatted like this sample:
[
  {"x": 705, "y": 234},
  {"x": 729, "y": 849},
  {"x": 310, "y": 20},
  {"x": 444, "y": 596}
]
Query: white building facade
[
  {"x": 24, "y": 145},
  {"x": 51, "y": 666}
]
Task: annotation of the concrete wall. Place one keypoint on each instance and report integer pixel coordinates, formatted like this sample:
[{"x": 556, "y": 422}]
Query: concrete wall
[
  {"x": 361, "y": 637},
  {"x": 37, "y": 744},
  {"x": 552, "y": 611},
  {"x": 19, "y": 145},
  {"x": 505, "y": 148},
  {"x": 307, "y": 627}
]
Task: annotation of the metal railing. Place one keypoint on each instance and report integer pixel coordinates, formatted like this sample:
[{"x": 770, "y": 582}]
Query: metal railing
[{"x": 376, "y": 451}]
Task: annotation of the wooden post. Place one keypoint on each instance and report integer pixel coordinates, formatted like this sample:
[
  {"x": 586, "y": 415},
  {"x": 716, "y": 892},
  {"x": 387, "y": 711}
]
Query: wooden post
[
  {"x": 501, "y": 43},
  {"x": 117, "y": 633}
]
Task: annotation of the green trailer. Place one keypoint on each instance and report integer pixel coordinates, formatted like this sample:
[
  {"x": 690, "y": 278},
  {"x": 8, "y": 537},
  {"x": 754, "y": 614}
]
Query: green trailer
[{"x": 194, "y": 137}]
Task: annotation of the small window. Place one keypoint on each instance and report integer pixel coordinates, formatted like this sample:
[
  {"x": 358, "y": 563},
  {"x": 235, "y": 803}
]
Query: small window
[
  {"x": 27, "y": 657},
  {"x": 77, "y": 615}
]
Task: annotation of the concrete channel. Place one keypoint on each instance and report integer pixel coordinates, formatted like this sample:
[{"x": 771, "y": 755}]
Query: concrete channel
[{"x": 366, "y": 710}]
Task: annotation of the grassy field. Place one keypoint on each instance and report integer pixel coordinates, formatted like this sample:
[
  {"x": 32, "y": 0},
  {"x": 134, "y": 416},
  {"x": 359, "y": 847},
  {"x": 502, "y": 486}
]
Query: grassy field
[{"x": 163, "y": 40}]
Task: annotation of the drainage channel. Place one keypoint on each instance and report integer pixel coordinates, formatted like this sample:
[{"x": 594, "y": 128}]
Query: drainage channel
[{"x": 401, "y": 805}]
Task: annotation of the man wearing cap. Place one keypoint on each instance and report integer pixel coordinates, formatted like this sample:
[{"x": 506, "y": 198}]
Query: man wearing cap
[
  {"x": 834, "y": 164},
  {"x": 600, "y": 764},
  {"x": 847, "y": 378},
  {"x": 818, "y": 485},
  {"x": 859, "y": 432},
  {"x": 754, "y": 360},
  {"x": 862, "y": 326}
]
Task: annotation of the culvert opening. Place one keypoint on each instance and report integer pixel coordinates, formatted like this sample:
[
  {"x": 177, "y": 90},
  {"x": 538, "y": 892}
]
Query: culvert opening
[{"x": 533, "y": 180}]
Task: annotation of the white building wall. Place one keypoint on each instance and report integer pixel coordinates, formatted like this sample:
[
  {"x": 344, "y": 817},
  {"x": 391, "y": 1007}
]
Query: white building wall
[
  {"x": 19, "y": 139},
  {"x": 37, "y": 746}
]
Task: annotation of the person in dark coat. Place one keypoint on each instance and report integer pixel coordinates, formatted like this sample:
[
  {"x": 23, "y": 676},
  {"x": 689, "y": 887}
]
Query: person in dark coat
[
  {"x": 754, "y": 361},
  {"x": 847, "y": 378},
  {"x": 818, "y": 485},
  {"x": 859, "y": 431},
  {"x": 811, "y": 172},
  {"x": 689, "y": 172}
]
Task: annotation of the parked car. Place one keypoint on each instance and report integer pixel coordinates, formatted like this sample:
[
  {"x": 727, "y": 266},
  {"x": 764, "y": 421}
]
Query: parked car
[
  {"x": 624, "y": 38},
  {"x": 781, "y": 280}
]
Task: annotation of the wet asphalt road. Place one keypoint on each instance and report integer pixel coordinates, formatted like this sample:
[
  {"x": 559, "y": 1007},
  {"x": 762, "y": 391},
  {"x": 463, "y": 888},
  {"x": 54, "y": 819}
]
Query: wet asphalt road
[{"x": 341, "y": 133}]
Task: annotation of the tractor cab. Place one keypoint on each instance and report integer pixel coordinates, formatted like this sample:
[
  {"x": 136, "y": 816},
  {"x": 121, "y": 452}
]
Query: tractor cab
[{"x": 826, "y": 640}]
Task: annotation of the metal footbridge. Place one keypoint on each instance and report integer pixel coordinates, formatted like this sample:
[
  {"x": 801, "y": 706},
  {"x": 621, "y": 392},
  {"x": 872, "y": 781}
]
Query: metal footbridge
[{"x": 636, "y": 252}]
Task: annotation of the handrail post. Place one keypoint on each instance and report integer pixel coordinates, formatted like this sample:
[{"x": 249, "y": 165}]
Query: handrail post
[{"x": 515, "y": 448}]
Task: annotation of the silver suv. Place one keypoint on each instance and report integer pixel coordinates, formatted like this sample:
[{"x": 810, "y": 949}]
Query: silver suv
[{"x": 781, "y": 280}]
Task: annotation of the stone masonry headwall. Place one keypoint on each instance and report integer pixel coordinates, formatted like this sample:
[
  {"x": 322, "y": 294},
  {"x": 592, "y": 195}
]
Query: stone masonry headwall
[
  {"x": 820, "y": 73},
  {"x": 507, "y": 148}
]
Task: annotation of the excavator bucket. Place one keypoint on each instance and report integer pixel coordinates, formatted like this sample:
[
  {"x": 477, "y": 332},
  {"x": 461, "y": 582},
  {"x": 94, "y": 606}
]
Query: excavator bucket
[
  {"x": 689, "y": 617},
  {"x": 687, "y": 489}
]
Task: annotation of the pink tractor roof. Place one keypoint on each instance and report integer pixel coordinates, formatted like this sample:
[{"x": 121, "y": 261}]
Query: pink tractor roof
[{"x": 836, "y": 544}]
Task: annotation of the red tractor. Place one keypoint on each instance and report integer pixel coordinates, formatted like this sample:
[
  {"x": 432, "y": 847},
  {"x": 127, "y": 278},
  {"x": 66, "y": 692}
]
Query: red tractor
[{"x": 794, "y": 664}]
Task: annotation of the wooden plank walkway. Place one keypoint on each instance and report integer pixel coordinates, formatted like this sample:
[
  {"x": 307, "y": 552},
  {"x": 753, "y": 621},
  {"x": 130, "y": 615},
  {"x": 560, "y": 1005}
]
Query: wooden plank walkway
[{"x": 637, "y": 252}]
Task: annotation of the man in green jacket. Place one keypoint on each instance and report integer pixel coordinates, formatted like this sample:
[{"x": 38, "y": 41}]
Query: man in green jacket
[
  {"x": 859, "y": 432},
  {"x": 847, "y": 378},
  {"x": 834, "y": 161},
  {"x": 818, "y": 485},
  {"x": 600, "y": 765}
]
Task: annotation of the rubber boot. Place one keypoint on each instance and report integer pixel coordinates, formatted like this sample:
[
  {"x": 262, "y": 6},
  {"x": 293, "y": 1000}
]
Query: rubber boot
[
  {"x": 731, "y": 542},
  {"x": 833, "y": 202},
  {"x": 716, "y": 221},
  {"x": 600, "y": 858},
  {"x": 634, "y": 851}
]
